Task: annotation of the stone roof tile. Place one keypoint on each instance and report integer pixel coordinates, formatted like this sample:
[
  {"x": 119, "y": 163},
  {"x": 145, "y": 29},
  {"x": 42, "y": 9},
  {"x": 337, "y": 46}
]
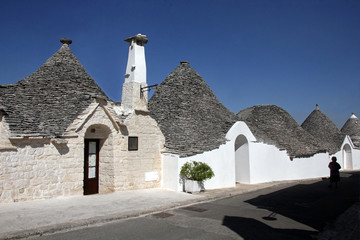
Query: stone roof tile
[
  {"x": 190, "y": 116},
  {"x": 271, "y": 124},
  {"x": 322, "y": 128},
  {"x": 352, "y": 128},
  {"x": 48, "y": 100}
]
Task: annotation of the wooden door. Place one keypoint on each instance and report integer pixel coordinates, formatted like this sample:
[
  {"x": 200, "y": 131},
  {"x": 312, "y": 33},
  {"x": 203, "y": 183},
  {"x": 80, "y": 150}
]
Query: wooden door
[{"x": 91, "y": 167}]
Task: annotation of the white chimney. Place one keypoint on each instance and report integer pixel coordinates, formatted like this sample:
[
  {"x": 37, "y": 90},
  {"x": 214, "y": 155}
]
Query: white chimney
[{"x": 134, "y": 93}]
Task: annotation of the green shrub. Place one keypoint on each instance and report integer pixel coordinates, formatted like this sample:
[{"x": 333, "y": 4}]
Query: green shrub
[{"x": 196, "y": 171}]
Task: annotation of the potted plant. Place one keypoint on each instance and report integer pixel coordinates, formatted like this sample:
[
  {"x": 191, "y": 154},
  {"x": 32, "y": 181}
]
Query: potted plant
[{"x": 194, "y": 174}]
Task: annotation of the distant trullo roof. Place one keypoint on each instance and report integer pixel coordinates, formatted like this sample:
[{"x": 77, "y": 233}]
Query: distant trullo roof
[
  {"x": 352, "y": 128},
  {"x": 46, "y": 102},
  {"x": 322, "y": 128},
  {"x": 190, "y": 116},
  {"x": 273, "y": 125}
]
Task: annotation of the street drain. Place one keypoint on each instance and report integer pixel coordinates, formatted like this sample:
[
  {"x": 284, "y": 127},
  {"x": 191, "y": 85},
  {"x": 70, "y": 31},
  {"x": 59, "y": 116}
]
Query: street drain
[
  {"x": 194, "y": 209},
  {"x": 162, "y": 215}
]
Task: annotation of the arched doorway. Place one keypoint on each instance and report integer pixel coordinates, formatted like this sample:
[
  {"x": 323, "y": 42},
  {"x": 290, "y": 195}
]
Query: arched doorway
[
  {"x": 242, "y": 165},
  {"x": 347, "y": 157},
  {"x": 98, "y": 160}
]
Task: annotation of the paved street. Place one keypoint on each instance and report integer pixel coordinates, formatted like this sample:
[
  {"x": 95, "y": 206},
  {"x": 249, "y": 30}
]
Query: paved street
[{"x": 286, "y": 211}]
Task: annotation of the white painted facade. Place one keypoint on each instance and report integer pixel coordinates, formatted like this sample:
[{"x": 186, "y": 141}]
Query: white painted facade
[
  {"x": 349, "y": 156},
  {"x": 243, "y": 159},
  {"x": 136, "y": 64}
]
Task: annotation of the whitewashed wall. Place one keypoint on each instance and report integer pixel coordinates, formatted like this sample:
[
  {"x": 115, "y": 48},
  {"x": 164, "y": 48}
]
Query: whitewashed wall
[
  {"x": 356, "y": 159},
  {"x": 265, "y": 163},
  {"x": 349, "y": 156},
  {"x": 221, "y": 160},
  {"x": 268, "y": 163}
]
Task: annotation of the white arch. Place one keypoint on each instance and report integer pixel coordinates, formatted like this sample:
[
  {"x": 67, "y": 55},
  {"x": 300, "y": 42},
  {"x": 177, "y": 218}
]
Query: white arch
[
  {"x": 347, "y": 157},
  {"x": 242, "y": 163}
]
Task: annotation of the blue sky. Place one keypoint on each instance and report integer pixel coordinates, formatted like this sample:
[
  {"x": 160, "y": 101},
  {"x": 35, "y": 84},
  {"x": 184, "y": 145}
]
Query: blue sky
[{"x": 294, "y": 54}]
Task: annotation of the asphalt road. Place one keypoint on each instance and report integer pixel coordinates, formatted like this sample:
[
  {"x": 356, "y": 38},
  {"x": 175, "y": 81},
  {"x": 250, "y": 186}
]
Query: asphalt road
[{"x": 293, "y": 211}]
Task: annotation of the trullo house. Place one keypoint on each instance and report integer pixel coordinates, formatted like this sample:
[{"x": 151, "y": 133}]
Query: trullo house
[
  {"x": 260, "y": 144},
  {"x": 61, "y": 135},
  {"x": 337, "y": 143},
  {"x": 351, "y": 146},
  {"x": 322, "y": 128}
]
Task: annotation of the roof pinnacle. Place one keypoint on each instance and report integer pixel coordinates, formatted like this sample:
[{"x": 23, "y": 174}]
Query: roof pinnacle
[
  {"x": 66, "y": 41},
  {"x": 353, "y": 115}
]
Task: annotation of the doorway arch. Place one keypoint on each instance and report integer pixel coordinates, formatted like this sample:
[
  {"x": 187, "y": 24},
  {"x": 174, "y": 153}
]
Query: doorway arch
[
  {"x": 347, "y": 157},
  {"x": 242, "y": 164},
  {"x": 101, "y": 137}
]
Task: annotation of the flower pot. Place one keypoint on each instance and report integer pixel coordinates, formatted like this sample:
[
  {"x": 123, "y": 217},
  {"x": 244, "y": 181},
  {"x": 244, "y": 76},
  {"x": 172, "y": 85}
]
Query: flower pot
[{"x": 192, "y": 186}]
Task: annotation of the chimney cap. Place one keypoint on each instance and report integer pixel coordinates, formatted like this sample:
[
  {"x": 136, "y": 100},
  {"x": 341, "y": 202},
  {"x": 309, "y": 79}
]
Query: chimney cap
[
  {"x": 66, "y": 41},
  {"x": 139, "y": 38}
]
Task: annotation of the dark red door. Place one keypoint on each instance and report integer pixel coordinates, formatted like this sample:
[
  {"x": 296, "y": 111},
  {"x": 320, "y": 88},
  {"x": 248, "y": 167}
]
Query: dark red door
[{"x": 91, "y": 167}]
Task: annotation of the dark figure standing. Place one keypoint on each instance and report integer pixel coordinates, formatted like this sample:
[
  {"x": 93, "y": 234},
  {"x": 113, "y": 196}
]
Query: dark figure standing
[{"x": 334, "y": 172}]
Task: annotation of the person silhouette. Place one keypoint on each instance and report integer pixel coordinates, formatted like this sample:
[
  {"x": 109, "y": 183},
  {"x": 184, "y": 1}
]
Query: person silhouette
[{"x": 334, "y": 172}]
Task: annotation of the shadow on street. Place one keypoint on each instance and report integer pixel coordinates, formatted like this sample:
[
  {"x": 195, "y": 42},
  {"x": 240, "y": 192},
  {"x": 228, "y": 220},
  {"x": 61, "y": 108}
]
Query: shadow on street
[
  {"x": 251, "y": 229},
  {"x": 315, "y": 205}
]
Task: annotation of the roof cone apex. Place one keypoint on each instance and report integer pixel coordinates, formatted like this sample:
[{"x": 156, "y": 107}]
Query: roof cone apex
[
  {"x": 353, "y": 115},
  {"x": 66, "y": 41}
]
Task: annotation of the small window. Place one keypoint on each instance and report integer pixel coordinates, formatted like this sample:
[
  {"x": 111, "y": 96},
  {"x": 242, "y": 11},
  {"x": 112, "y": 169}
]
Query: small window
[{"x": 133, "y": 144}]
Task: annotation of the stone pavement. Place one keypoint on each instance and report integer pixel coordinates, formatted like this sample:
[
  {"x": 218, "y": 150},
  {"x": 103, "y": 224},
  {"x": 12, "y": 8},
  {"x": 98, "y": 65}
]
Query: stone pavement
[{"x": 32, "y": 218}]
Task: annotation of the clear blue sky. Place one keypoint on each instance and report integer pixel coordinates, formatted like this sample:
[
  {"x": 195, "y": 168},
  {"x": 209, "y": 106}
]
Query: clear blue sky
[{"x": 290, "y": 53}]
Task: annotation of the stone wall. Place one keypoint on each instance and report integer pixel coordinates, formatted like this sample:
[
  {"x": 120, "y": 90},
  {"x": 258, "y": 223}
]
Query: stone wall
[
  {"x": 141, "y": 168},
  {"x": 133, "y": 97},
  {"x": 40, "y": 168},
  {"x": 4, "y": 134},
  {"x": 99, "y": 126}
]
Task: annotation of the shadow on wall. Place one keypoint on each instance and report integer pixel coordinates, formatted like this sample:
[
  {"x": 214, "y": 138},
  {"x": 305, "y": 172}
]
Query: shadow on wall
[
  {"x": 251, "y": 229},
  {"x": 33, "y": 143},
  {"x": 124, "y": 131},
  {"x": 61, "y": 148}
]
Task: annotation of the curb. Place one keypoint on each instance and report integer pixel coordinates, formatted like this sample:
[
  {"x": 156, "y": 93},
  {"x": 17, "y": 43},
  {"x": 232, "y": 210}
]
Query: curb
[
  {"x": 222, "y": 194},
  {"x": 212, "y": 195}
]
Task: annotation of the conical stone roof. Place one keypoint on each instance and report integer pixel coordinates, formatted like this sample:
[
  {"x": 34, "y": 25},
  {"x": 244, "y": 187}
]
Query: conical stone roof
[
  {"x": 190, "y": 116},
  {"x": 322, "y": 128},
  {"x": 352, "y": 128},
  {"x": 271, "y": 124},
  {"x": 46, "y": 102}
]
